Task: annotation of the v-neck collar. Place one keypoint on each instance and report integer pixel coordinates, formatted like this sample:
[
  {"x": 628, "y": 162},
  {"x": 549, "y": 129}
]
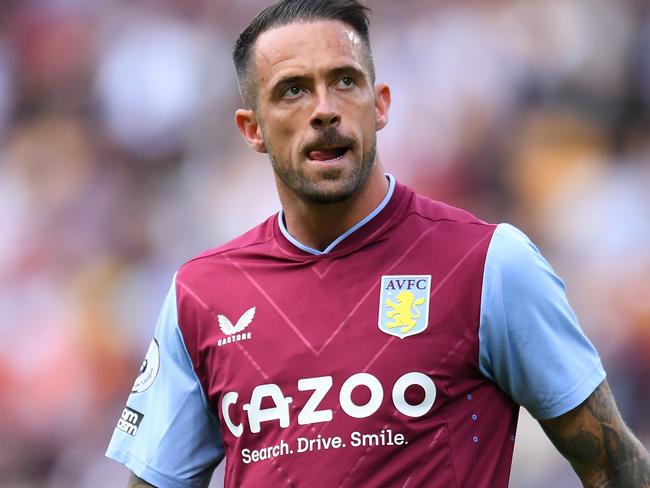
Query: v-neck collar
[{"x": 334, "y": 245}]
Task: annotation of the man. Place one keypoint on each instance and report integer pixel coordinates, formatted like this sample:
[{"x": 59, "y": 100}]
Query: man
[{"x": 365, "y": 336}]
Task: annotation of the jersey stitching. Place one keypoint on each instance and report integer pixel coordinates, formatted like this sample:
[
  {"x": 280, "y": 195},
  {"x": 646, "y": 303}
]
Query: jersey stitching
[
  {"x": 487, "y": 372},
  {"x": 449, "y": 446},
  {"x": 362, "y": 456},
  {"x": 444, "y": 219},
  {"x": 206, "y": 405},
  {"x": 253, "y": 362},
  {"x": 178, "y": 330},
  {"x": 275, "y": 306},
  {"x": 218, "y": 252},
  {"x": 465, "y": 338}
]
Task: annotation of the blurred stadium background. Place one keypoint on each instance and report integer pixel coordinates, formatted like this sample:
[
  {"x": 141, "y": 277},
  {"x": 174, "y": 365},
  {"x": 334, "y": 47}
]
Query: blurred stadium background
[{"x": 119, "y": 160}]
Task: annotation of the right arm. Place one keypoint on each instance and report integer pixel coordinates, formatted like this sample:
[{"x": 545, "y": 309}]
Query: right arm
[
  {"x": 135, "y": 482},
  {"x": 151, "y": 437}
]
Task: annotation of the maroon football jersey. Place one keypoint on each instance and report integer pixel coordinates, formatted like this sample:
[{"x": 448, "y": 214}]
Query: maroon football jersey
[{"x": 358, "y": 367}]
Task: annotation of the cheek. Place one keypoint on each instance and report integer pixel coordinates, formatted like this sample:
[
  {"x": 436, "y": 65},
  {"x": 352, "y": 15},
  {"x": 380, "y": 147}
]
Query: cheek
[
  {"x": 286, "y": 123},
  {"x": 369, "y": 128},
  {"x": 365, "y": 113},
  {"x": 282, "y": 137}
]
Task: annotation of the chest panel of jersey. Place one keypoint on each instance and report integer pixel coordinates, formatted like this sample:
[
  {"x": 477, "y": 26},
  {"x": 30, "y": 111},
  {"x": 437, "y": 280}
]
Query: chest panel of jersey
[{"x": 317, "y": 318}]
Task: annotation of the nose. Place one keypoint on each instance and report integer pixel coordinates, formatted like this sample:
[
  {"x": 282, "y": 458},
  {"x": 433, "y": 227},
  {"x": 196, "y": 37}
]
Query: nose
[{"x": 325, "y": 113}]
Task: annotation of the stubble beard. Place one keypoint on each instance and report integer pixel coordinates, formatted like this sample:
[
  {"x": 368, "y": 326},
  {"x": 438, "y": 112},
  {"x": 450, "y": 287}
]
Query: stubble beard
[{"x": 347, "y": 182}]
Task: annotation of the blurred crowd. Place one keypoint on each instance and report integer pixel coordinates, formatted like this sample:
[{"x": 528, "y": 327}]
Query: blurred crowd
[{"x": 119, "y": 160}]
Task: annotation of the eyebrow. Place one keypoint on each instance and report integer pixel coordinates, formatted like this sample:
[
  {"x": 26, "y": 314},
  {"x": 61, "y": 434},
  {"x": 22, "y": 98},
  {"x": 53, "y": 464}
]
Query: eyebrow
[
  {"x": 288, "y": 80},
  {"x": 338, "y": 71},
  {"x": 348, "y": 68}
]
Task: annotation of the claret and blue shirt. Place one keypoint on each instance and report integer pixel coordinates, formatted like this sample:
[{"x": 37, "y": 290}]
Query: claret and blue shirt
[{"x": 398, "y": 356}]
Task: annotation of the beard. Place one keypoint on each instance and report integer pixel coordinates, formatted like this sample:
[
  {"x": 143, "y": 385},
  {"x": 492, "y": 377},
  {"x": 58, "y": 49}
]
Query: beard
[{"x": 333, "y": 185}]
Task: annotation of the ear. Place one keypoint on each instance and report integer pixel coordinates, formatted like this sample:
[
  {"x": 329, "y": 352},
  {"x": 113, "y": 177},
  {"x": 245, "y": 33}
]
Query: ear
[
  {"x": 382, "y": 104},
  {"x": 250, "y": 129}
]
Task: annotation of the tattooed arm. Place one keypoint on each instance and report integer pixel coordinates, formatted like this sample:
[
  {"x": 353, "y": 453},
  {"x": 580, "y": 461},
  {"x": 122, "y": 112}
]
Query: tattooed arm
[{"x": 601, "y": 449}]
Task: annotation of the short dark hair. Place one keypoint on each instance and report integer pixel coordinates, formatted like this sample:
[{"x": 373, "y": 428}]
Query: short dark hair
[{"x": 284, "y": 12}]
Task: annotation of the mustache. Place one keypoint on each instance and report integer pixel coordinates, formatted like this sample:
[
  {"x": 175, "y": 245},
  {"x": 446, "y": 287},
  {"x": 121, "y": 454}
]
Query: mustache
[{"x": 329, "y": 138}]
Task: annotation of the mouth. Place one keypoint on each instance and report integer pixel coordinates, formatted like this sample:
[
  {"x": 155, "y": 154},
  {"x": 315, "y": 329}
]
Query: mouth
[{"x": 325, "y": 155}]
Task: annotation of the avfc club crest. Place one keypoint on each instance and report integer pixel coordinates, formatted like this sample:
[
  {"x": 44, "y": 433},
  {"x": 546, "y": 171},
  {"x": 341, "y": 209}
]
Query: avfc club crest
[{"x": 404, "y": 304}]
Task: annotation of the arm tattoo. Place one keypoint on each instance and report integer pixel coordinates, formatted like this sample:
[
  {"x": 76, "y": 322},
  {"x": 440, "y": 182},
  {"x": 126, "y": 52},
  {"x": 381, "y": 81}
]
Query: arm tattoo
[
  {"x": 601, "y": 449},
  {"x": 135, "y": 482}
]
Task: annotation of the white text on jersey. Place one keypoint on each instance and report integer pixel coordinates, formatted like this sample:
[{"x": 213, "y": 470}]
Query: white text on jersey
[{"x": 320, "y": 386}]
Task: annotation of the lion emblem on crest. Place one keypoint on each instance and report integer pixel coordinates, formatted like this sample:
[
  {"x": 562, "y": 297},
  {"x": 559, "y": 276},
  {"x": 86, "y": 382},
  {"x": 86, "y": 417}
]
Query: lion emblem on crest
[{"x": 405, "y": 312}]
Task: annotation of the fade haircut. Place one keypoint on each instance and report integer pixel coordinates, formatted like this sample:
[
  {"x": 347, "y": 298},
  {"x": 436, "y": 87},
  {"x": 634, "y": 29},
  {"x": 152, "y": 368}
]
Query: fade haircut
[{"x": 284, "y": 12}]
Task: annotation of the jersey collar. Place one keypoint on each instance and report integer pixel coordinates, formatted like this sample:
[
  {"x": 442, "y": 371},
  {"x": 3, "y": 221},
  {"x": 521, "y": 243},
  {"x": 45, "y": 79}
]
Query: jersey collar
[{"x": 347, "y": 233}]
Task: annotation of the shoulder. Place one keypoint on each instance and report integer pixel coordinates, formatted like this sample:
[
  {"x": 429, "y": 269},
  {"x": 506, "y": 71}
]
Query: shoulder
[
  {"x": 515, "y": 261},
  {"x": 254, "y": 240},
  {"x": 447, "y": 225},
  {"x": 436, "y": 211},
  {"x": 516, "y": 272}
]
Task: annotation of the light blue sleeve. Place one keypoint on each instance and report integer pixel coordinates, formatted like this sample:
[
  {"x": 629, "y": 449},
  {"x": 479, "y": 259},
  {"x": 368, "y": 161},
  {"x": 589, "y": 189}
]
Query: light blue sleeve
[
  {"x": 531, "y": 344},
  {"x": 167, "y": 434}
]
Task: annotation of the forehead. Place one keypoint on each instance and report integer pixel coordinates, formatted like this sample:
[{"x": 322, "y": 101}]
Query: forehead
[{"x": 307, "y": 46}]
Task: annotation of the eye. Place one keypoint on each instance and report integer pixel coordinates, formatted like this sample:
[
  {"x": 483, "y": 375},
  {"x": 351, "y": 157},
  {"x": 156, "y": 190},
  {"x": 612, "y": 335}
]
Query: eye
[
  {"x": 292, "y": 92},
  {"x": 345, "y": 82}
]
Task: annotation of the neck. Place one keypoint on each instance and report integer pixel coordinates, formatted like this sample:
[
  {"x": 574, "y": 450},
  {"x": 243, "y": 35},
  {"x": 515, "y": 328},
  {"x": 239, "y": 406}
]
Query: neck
[{"x": 317, "y": 226}]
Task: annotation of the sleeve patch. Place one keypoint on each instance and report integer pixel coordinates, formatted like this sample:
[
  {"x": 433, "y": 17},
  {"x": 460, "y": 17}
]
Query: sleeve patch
[
  {"x": 149, "y": 369},
  {"x": 129, "y": 421}
]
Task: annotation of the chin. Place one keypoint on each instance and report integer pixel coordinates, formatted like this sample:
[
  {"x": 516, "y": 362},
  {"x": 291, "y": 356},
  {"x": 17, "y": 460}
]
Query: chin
[
  {"x": 324, "y": 198},
  {"x": 328, "y": 192},
  {"x": 326, "y": 184}
]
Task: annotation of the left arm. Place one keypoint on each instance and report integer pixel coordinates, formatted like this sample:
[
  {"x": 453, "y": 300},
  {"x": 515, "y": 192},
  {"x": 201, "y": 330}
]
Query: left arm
[
  {"x": 532, "y": 346},
  {"x": 601, "y": 449}
]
